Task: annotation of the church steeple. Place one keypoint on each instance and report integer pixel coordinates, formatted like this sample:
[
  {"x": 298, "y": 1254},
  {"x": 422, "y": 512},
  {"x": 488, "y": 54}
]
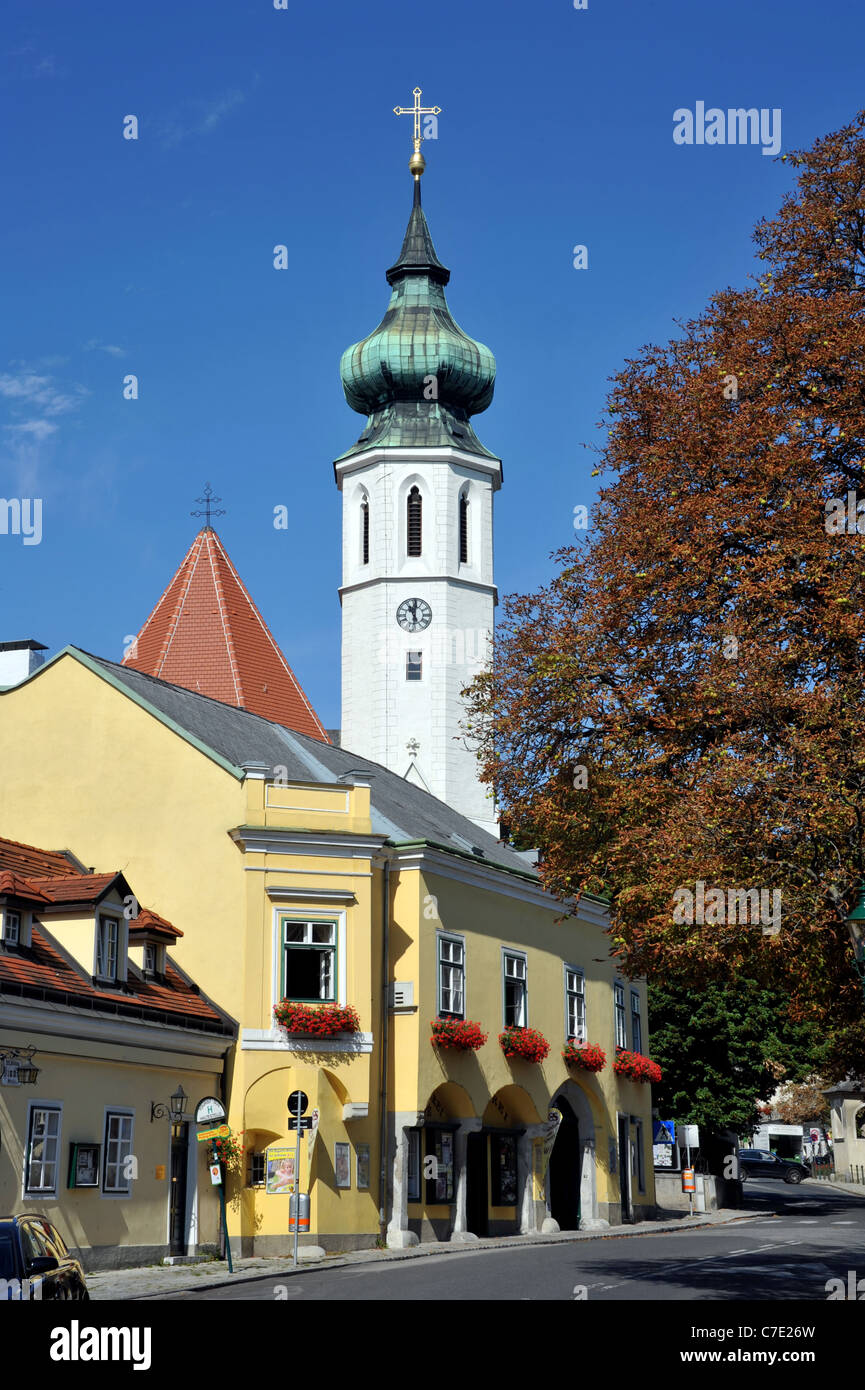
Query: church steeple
[
  {"x": 418, "y": 377},
  {"x": 418, "y": 595}
]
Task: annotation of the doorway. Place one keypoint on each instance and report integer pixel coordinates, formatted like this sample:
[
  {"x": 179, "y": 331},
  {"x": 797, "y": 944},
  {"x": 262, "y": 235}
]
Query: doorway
[
  {"x": 477, "y": 1185},
  {"x": 177, "y": 1189},
  {"x": 625, "y": 1167},
  {"x": 565, "y": 1170}
]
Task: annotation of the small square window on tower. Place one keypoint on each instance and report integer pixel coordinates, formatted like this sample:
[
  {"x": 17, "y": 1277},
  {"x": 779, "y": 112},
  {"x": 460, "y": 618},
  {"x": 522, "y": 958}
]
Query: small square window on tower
[{"x": 413, "y": 666}]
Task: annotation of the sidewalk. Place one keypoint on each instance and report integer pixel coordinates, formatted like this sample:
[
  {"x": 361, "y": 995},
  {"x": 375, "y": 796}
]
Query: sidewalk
[
  {"x": 156, "y": 1281},
  {"x": 853, "y": 1189}
]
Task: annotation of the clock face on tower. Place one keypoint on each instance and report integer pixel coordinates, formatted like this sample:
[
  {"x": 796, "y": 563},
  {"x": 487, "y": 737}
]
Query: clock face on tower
[{"x": 414, "y": 614}]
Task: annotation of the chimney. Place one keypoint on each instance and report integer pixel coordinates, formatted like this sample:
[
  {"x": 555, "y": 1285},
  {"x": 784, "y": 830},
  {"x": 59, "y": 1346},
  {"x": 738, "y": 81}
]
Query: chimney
[{"x": 18, "y": 660}]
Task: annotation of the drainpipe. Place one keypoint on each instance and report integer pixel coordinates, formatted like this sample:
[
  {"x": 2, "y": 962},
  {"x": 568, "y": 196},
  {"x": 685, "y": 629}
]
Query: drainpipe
[{"x": 382, "y": 1097}]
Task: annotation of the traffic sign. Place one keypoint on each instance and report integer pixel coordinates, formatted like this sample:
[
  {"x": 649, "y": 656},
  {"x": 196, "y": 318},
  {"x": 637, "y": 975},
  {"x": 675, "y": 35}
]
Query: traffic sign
[
  {"x": 221, "y": 1132},
  {"x": 298, "y": 1100},
  {"x": 305, "y": 1122}
]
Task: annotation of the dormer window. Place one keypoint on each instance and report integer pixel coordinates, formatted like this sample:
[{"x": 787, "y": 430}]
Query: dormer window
[
  {"x": 154, "y": 958},
  {"x": 107, "y": 934},
  {"x": 11, "y": 927}
]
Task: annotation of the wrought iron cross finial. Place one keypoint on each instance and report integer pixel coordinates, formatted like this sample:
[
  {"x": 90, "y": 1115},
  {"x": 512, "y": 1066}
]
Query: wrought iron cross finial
[
  {"x": 417, "y": 111},
  {"x": 209, "y": 509}
]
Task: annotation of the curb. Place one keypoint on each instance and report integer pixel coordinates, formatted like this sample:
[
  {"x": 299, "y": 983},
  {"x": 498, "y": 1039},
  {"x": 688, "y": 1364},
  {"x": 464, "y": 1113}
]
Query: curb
[{"x": 430, "y": 1251}]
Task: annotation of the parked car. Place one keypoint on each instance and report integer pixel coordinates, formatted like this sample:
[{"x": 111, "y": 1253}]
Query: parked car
[
  {"x": 33, "y": 1250},
  {"x": 756, "y": 1163}
]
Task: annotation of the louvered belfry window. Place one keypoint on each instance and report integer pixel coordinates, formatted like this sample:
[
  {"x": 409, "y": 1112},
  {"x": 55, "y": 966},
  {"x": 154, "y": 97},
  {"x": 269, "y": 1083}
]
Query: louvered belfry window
[
  {"x": 415, "y": 522},
  {"x": 364, "y": 530},
  {"x": 464, "y": 529}
]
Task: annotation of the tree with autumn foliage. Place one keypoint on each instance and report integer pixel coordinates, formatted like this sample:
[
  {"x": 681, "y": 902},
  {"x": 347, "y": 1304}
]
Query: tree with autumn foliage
[{"x": 685, "y": 701}]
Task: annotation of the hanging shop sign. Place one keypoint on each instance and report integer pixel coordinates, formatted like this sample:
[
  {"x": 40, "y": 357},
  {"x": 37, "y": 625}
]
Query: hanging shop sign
[
  {"x": 209, "y": 1111},
  {"x": 221, "y": 1132}
]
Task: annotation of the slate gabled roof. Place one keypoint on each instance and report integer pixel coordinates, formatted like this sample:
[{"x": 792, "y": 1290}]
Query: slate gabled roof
[
  {"x": 207, "y": 635},
  {"x": 401, "y": 810}
]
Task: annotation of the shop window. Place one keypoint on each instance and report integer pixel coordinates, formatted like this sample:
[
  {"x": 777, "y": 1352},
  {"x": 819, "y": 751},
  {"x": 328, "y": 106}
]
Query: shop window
[
  {"x": 515, "y": 990},
  {"x": 503, "y": 1170},
  {"x": 309, "y": 961},
  {"x": 413, "y": 1185},
  {"x": 440, "y": 1185}
]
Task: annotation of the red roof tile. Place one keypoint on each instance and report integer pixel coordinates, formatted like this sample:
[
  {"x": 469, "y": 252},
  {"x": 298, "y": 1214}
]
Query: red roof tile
[
  {"x": 77, "y": 888},
  {"x": 151, "y": 922},
  {"x": 207, "y": 635},
  {"x": 29, "y": 861},
  {"x": 43, "y": 967},
  {"x": 14, "y": 886}
]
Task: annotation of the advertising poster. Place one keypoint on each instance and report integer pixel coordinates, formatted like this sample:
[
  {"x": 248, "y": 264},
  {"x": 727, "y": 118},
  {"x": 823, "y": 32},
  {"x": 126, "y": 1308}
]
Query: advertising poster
[{"x": 279, "y": 1171}]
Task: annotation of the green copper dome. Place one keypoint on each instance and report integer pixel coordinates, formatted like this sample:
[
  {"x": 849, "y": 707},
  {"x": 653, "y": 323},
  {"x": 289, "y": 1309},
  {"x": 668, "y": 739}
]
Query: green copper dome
[{"x": 387, "y": 375}]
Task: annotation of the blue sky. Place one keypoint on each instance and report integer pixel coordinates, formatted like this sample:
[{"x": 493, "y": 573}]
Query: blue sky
[{"x": 259, "y": 127}]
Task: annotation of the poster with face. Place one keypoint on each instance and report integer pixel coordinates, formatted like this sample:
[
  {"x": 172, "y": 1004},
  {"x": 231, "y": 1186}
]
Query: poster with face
[{"x": 279, "y": 1171}]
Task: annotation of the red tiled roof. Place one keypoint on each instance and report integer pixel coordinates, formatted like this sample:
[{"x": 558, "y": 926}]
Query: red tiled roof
[
  {"x": 28, "y": 860},
  {"x": 74, "y": 888},
  {"x": 14, "y": 886},
  {"x": 151, "y": 922},
  {"x": 42, "y": 967},
  {"x": 207, "y": 635}
]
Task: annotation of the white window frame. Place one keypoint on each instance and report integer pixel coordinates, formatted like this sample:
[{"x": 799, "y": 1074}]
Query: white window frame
[
  {"x": 636, "y": 1016},
  {"x": 120, "y": 949},
  {"x": 620, "y": 1015},
  {"x": 112, "y": 1112},
  {"x": 339, "y": 916},
  {"x": 414, "y": 666},
  {"x": 16, "y": 938},
  {"x": 331, "y": 946},
  {"x": 580, "y": 1034},
  {"x": 508, "y": 953},
  {"x": 450, "y": 938},
  {"x": 56, "y": 1107}
]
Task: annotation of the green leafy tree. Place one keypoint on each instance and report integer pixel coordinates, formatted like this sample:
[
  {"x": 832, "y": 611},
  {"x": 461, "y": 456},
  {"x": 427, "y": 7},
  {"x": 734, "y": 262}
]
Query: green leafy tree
[{"x": 723, "y": 1050}]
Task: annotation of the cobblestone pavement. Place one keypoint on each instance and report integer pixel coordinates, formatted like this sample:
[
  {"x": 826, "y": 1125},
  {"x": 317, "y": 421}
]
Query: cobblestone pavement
[{"x": 155, "y": 1281}]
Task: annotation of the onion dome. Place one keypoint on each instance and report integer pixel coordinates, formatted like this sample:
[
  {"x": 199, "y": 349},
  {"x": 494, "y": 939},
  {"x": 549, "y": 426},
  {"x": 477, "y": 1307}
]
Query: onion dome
[{"x": 418, "y": 377}]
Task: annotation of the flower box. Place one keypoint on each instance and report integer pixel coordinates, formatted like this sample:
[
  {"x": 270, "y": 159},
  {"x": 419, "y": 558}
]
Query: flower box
[
  {"x": 526, "y": 1043},
  {"x": 316, "y": 1020},
  {"x": 459, "y": 1033},
  {"x": 586, "y": 1056},
  {"x": 635, "y": 1066}
]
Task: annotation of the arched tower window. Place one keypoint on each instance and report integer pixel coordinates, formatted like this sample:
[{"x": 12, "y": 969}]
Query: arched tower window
[
  {"x": 464, "y": 529},
  {"x": 414, "y": 519},
  {"x": 364, "y": 531}
]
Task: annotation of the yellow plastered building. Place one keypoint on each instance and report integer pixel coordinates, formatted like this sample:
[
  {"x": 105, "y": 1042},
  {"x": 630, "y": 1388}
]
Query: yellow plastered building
[{"x": 302, "y": 871}]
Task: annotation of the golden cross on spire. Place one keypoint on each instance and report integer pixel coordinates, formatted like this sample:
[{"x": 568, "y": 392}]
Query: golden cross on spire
[{"x": 417, "y": 111}]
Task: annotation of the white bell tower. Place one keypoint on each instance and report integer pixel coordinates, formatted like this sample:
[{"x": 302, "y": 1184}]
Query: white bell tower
[{"x": 418, "y": 594}]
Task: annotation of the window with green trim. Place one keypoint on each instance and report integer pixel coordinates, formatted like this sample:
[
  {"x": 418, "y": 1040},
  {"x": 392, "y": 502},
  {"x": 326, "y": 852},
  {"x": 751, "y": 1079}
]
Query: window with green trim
[{"x": 308, "y": 961}]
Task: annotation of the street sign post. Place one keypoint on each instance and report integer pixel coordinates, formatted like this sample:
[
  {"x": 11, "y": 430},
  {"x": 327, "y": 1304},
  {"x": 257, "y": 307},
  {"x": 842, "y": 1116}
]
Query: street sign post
[{"x": 298, "y": 1103}]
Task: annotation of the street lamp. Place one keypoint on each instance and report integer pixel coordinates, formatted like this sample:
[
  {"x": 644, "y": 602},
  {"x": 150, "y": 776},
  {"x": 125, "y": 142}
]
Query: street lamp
[
  {"x": 856, "y": 928},
  {"x": 175, "y": 1109},
  {"x": 21, "y": 1069}
]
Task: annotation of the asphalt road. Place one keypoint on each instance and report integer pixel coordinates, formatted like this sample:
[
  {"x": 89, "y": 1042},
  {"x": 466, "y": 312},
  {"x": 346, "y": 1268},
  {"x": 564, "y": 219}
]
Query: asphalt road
[{"x": 806, "y": 1235}]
